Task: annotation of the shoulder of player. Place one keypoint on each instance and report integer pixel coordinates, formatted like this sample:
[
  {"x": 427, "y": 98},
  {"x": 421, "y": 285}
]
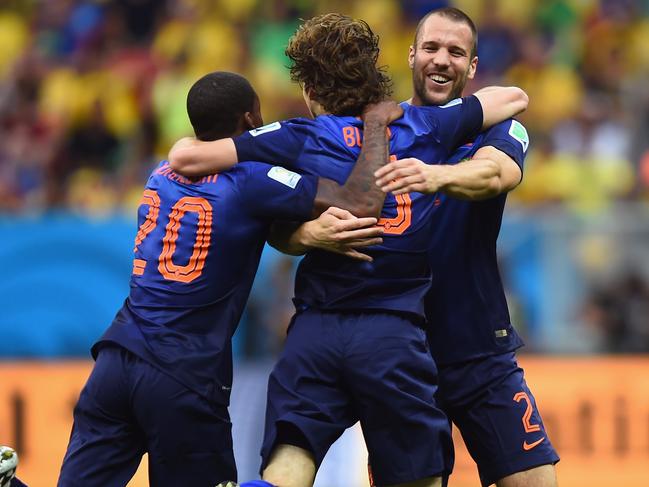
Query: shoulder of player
[
  {"x": 510, "y": 130},
  {"x": 262, "y": 172},
  {"x": 297, "y": 125},
  {"x": 430, "y": 114},
  {"x": 415, "y": 115}
]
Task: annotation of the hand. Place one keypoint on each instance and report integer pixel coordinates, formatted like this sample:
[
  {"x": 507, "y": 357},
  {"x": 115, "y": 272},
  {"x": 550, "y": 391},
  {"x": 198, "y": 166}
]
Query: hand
[
  {"x": 408, "y": 175},
  {"x": 383, "y": 112},
  {"x": 339, "y": 231}
]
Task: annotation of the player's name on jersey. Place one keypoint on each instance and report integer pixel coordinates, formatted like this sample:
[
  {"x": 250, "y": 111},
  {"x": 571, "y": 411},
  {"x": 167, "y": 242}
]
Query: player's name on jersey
[{"x": 166, "y": 171}]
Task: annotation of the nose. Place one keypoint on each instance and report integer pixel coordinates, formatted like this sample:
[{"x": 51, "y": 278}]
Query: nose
[{"x": 442, "y": 58}]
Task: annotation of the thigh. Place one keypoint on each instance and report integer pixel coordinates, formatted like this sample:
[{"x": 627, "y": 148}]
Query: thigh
[
  {"x": 106, "y": 444},
  {"x": 189, "y": 439},
  {"x": 496, "y": 413},
  {"x": 305, "y": 398},
  {"x": 394, "y": 380}
]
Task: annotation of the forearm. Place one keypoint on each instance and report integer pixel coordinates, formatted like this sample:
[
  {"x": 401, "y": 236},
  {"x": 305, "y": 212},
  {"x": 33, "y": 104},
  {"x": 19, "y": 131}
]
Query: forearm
[
  {"x": 336, "y": 230},
  {"x": 472, "y": 180},
  {"x": 359, "y": 194},
  {"x": 490, "y": 173},
  {"x": 288, "y": 237},
  {"x": 192, "y": 158},
  {"x": 500, "y": 103}
]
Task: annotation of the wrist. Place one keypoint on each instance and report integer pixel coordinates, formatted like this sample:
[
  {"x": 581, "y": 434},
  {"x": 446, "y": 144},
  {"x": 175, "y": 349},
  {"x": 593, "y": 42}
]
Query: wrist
[
  {"x": 440, "y": 176},
  {"x": 446, "y": 175},
  {"x": 303, "y": 236},
  {"x": 375, "y": 120}
]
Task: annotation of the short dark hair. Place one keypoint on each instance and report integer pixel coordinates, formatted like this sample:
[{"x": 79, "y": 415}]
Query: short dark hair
[
  {"x": 216, "y": 103},
  {"x": 334, "y": 56},
  {"x": 456, "y": 15}
]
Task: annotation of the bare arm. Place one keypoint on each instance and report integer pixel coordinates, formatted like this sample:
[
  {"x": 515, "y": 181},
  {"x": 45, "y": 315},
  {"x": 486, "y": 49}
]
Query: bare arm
[
  {"x": 488, "y": 174},
  {"x": 500, "y": 103},
  {"x": 339, "y": 230},
  {"x": 359, "y": 194},
  {"x": 192, "y": 157}
]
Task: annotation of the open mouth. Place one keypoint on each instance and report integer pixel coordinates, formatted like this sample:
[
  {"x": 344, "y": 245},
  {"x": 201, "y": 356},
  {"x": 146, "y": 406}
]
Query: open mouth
[{"x": 439, "y": 79}]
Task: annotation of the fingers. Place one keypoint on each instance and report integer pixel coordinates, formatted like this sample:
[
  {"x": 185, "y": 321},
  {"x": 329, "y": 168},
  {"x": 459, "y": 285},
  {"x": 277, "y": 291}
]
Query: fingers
[
  {"x": 339, "y": 213},
  {"x": 396, "y": 173},
  {"x": 354, "y": 254},
  {"x": 381, "y": 172},
  {"x": 385, "y": 111},
  {"x": 358, "y": 224},
  {"x": 361, "y": 233},
  {"x": 366, "y": 242},
  {"x": 396, "y": 170},
  {"x": 402, "y": 185},
  {"x": 399, "y": 164}
]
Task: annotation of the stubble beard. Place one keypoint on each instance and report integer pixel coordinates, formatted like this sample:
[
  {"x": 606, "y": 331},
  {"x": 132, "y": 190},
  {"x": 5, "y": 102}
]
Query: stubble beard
[{"x": 428, "y": 100}]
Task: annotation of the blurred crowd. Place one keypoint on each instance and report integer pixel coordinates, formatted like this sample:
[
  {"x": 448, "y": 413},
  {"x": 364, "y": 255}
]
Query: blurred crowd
[{"x": 93, "y": 92}]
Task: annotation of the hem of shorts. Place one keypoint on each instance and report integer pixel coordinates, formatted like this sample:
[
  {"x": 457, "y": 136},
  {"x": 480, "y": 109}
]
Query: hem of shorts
[
  {"x": 508, "y": 469},
  {"x": 378, "y": 482},
  {"x": 265, "y": 456},
  {"x": 478, "y": 356}
]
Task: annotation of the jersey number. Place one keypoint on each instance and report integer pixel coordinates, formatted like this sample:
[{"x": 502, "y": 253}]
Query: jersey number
[
  {"x": 166, "y": 265},
  {"x": 529, "y": 427},
  {"x": 400, "y": 223}
]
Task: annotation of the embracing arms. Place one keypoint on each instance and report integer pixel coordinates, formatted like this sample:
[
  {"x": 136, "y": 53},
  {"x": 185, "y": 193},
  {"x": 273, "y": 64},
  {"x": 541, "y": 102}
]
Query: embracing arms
[
  {"x": 500, "y": 103},
  {"x": 489, "y": 173}
]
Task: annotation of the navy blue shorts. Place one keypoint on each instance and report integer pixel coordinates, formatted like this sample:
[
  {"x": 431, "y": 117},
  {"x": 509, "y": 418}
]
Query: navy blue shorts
[
  {"x": 127, "y": 408},
  {"x": 339, "y": 368},
  {"x": 490, "y": 403}
]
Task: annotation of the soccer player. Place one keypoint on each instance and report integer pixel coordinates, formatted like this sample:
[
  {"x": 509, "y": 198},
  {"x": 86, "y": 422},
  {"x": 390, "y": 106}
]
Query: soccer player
[
  {"x": 355, "y": 348},
  {"x": 482, "y": 389},
  {"x": 163, "y": 372}
]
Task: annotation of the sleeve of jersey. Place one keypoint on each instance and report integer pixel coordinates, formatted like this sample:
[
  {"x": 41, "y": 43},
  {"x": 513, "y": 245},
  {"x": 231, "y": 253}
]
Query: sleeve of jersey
[
  {"x": 276, "y": 193},
  {"x": 276, "y": 143},
  {"x": 460, "y": 121},
  {"x": 509, "y": 137}
]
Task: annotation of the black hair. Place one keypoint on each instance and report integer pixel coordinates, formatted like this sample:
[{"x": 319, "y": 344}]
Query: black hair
[
  {"x": 216, "y": 103},
  {"x": 456, "y": 15}
]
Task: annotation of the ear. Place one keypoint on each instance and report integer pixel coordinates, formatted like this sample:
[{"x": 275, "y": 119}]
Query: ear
[
  {"x": 249, "y": 121},
  {"x": 411, "y": 57},
  {"x": 473, "y": 66}
]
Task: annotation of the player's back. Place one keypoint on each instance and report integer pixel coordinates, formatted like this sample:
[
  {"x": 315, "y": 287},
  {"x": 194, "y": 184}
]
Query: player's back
[
  {"x": 196, "y": 254},
  {"x": 399, "y": 276}
]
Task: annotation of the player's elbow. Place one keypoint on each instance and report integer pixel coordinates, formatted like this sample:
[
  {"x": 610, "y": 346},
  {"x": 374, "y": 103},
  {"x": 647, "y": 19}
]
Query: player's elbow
[
  {"x": 283, "y": 246},
  {"x": 181, "y": 162},
  {"x": 519, "y": 99}
]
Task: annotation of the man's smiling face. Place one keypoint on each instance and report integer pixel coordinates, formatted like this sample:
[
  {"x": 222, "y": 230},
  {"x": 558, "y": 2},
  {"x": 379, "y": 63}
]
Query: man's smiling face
[{"x": 442, "y": 60}]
